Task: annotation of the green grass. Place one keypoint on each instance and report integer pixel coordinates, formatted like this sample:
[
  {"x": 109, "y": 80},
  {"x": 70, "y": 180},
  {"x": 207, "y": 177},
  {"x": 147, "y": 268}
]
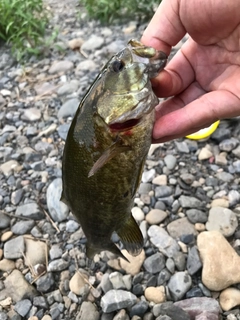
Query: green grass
[
  {"x": 22, "y": 25},
  {"x": 109, "y": 10}
]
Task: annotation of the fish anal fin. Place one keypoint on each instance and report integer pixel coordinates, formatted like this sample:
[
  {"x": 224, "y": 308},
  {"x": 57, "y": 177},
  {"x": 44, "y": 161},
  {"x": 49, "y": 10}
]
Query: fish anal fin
[
  {"x": 114, "y": 150},
  {"x": 92, "y": 250},
  {"x": 131, "y": 236}
]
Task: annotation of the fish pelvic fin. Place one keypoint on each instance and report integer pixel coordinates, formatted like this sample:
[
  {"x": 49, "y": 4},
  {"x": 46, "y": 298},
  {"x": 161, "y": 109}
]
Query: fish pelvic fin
[
  {"x": 131, "y": 236},
  {"x": 92, "y": 250}
]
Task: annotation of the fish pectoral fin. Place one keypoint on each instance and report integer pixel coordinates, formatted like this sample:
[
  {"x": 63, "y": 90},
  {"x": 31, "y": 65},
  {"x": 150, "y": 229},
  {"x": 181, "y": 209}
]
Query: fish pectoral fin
[
  {"x": 114, "y": 150},
  {"x": 91, "y": 250},
  {"x": 131, "y": 236}
]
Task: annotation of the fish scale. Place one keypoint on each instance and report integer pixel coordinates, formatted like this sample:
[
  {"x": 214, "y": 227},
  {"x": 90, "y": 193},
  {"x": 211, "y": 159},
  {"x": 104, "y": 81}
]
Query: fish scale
[{"x": 106, "y": 148}]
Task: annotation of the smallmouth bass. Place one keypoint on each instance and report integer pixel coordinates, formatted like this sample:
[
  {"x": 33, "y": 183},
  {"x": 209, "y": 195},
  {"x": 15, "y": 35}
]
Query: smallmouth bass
[{"x": 106, "y": 148}]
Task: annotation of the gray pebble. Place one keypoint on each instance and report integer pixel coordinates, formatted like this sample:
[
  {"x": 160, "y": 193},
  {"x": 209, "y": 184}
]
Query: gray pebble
[
  {"x": 68, "y": 109},
  {"x": 170, "y": 265},
  {"x": 180, "y": 227},
  {"x": 117, "y": 299},
  {"x": 72, "y": 226},
  {"x": 228, "y": 144},
  {"x": 116, "y": 279},
  {"x": 163, "y": 277},
  {"x": 31, "y": 115},
  {"x": 63, "y": 130},
  {"x": 40, "y": 302},
  {"x": 14, "y": 248},
  {"x": 30, "y": 210},
  {"x": 233, "y": 198},
  {"x": 196, "y": 216},
  {"x": 22, "y": 227},
  {"x": 225, "y": 176},
  {"x": 86, "y": 65},
  {"x": 193, "y": 261},
  {"x": 148, "y": 176},
  {"x": 22, "y": 307},
  {"x": 57, "y": 209},
  {"x": 88, "y": 311},
  {"x": 106, "y": 284},
  {"x": 179, "y": 284},
  {"x": 16, "y": 196},
  {"x": 179, "y": 259},
  {"x": 145, "y": 188},
  {"x": 155, "y": 263},
  {"x": 187, "y": 178},
  {"x": 160, "y": 238},
  {"x": 163, "y": 191},
  {"x": 45, "y": 282},
  {"x": 190, "y": 202},
  {"x": 172, "y": 311},
  {"x": 182, "y": 146},
  {"x": 68, "y": 88},
  {"x": 170, "y": 161},
  {"x": 55, "y": 252},
  {"x": 58, "y": 265},
  {"x": 4, "y": 221}
]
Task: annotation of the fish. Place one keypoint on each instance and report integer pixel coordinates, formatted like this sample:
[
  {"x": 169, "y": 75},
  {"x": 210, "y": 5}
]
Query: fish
[{"x": 106, "y": 148}]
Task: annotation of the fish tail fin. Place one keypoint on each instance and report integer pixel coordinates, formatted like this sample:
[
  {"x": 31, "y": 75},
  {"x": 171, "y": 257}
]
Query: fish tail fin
[
  {"x": 131, "y": 236},
  {"x": 91, "y": 250}
]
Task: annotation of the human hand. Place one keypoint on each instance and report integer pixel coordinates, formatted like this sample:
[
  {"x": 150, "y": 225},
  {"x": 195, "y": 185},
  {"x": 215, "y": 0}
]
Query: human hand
[{"x": 203, "y": 78}]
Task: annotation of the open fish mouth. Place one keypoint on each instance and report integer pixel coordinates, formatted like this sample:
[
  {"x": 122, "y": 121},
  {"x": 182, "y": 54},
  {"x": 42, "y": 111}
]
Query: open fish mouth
[{"x": 124, "y": 126}]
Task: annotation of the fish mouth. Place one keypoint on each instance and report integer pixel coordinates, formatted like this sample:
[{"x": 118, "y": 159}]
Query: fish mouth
[{"x": 124, "y": 126}]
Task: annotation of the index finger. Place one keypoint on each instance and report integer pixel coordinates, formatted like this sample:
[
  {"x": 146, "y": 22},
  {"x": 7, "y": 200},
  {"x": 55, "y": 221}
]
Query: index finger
[{"x": 165, "y": 29}]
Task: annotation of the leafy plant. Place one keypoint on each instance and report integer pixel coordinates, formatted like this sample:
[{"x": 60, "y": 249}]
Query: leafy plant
[
  {"x": 108, "y": 10},
  {"x": 22, "y": 24}
]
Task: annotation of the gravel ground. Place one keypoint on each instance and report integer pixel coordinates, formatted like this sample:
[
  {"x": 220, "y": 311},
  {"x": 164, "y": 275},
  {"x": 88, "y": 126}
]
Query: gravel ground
[{"x": 187, "y": 205}]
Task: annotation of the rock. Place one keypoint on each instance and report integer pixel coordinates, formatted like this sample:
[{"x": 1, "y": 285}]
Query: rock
[
  {"x": 135, "y": 263},
  {"x": 180, "y": 227},
  {"x": 22, "y": 307},
  {"x": 17, "y": 287},
  {"x": 77, "y": 283},
  {"x": 121, "y": 315},
  {"x": 14, "y": 248},
  {"x": 55, "y": 252},
  {"x": 222, "y": 219},
  {"x": 160, "y": 238},
  {"x": 156, "y": 216},
  {"x": 220, "y": 203},
  {"x": 65, "y": 89},
  {"x": 88, "y": 311},
  {"x": 35, "y": 252},
  {"x": 45, "y": 88},
  {"x": 154, "y": 263},
  {"x": 195, "y": 306},
  {"x": 30, "y": 210},
  {"x": 170, "y": 310},
  {"x": 155, "y": 294},
  {"x": 105, "y": 283},
  {"x": 58, "y": 265},
  {"x": 68, "y": 109},
  {"x": 204, "y": 154},
  {"x": 4, "y": 221},
  {"x": 16, "y": 196},
  {"x": 75, "y": 43},
  {"x": 138, "y": 214},
  {"x": 179, "y": 284},
  {"x": 163, "y": 191},
  {"x": 225, "y": 176},
  {"x": 63, "y": 130},
  {"x": 187, "y": 178},
  {"x": 22, "y": 227},
  {"x": 117, "y": 299},
  {"x": 182, "y": 146},
  {"x": 163, "y": 277},
  {"x": 45, "y": 282},
  {"x": 7, "y": 265},
  {"x": 86, "y": 65},
  {"x": 228, "y": 144},
  {"x": 6, "y": 236},
  {"x": 190, "y": 202},
  {"x": 139, "y": 309},
  {"x": 57, "y": 209},
  {"x": 116, "y": 279},
  {"x": 229, "y": 298},
  {"x": 31, "y": 115},
  {"x": 8, "y": 167},
  {"x": 160, "y": 180},
  {"x": 193, "y": 261},
  {"x": 221, "y": 264},
  {"x": 195, "y": 216},
  {"x": 93, "y": 43},
  {"x": 170, "y": 161},
  {"x": 148, "y": 176},
  {"x": 233, "y": 197},
  {"x": 72, "y": 226},
  {"x": 61, "y": 66}
]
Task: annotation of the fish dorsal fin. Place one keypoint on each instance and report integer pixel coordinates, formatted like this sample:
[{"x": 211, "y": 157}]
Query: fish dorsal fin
[
  {"x": 131, "y": 236},
  {"x": 115, "y": 149}
]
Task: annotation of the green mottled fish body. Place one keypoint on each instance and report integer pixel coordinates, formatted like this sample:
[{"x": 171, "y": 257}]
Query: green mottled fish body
[{"x": 106, "y": 149}]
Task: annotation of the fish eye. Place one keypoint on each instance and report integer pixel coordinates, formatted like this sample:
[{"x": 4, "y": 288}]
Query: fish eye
[{"x": 117, "y": 65}]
